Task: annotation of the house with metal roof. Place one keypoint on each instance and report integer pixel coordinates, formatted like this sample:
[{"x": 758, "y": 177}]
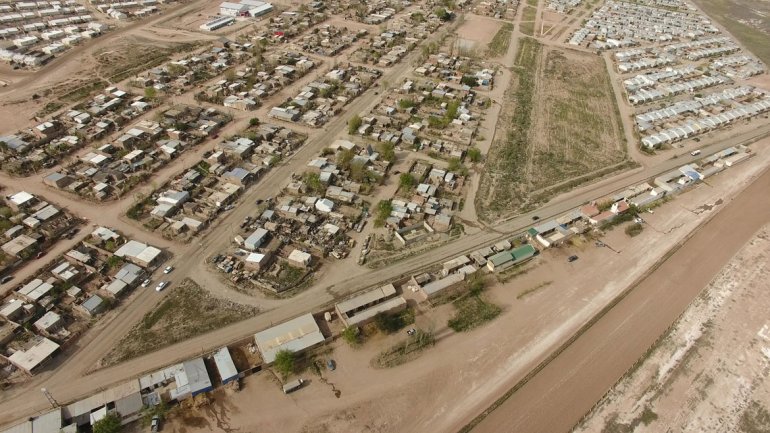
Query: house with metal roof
[
  {"x": 506, "y": 259},
  {"x": 362, "y": 308},
  {"x": 225, "y": 365},
  {"x": 191, "y": 378},
  {"x": 296, "y": 335},
  {"x": 34, "y": 356}
]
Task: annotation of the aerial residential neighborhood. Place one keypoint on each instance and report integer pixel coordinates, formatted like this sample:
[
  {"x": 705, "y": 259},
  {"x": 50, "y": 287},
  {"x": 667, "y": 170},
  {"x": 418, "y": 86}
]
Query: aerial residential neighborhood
[{"x": 384, "y": 216}]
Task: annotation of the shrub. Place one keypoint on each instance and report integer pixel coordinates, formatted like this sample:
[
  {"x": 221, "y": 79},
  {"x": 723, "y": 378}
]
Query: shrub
[
  {"x": 284, "y": 362},
  {"x": 354, "y": 123},
  {"x": 634, "y": 229},
  {"x": 109, "y": 424}
]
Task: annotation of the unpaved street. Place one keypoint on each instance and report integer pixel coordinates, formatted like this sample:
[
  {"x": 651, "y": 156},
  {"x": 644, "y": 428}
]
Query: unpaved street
[{"x": 571, "y": 383}]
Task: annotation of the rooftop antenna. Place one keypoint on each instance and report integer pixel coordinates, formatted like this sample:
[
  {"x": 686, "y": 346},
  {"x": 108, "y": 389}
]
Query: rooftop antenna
[{"x": 52, "y": 401}]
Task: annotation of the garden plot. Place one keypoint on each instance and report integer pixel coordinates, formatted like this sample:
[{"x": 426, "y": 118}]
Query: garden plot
[{"x": 561, "y": 128}]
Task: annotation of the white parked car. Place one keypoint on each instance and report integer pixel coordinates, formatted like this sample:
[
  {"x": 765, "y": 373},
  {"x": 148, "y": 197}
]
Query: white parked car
[
  {"x": 168, "y": 269},
  {"x": 146, "y": 283},
  {"x": 162, "y": 285}
]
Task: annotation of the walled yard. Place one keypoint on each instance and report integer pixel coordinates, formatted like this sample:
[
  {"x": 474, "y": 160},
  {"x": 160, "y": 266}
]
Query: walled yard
[
  {"x": 188, "y": 311},
  {"x": 709, "y": 374},
  {"x": 569, "y": 133}
]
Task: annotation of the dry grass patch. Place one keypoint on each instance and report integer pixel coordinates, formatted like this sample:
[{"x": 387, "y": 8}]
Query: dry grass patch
[
  {"x": 562, "y": 129},
  {"x": 186, "y": 312}
]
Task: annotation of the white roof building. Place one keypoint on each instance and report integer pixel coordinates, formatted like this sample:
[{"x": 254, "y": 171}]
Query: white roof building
[
  {"x": 295, "y": 335},
  {"x": 30, "y": 359}
]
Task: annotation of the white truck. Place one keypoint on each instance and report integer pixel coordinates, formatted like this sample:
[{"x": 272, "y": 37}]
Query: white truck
[{"x": 292, "y": 386}]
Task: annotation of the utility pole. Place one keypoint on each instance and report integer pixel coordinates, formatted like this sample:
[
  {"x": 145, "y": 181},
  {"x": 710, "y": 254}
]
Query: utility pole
[{"x": 54, "y": 404}]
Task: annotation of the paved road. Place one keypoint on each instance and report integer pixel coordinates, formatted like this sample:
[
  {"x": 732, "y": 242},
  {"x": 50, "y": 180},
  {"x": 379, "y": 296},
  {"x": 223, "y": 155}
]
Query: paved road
[{"x": 556, "y": 398}]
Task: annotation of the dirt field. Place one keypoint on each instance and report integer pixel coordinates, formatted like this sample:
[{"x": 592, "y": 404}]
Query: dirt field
[
  {"x": 476, "y": 32},
  {"x": 563, "y": 127},
  {"x": 715, "y": 360},
  {"x": 188, "y": 311},
  {"x": 543, "y": 305}
]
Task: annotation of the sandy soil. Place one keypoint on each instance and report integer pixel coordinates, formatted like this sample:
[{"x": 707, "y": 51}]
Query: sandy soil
[
  {"x": 480, "y": 365},
  {"x": 477, "y": 31},
  {"x": 715, "y": 358}
]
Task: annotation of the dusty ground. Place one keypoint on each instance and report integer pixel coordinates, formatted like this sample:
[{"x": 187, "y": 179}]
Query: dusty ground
[
  {"x": 715, "y": 360},
  {"x": 476, "y": 32},
  {"x": 479, "y": 365}
]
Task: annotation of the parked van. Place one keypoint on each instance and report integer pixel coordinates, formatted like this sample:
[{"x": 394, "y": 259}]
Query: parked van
[{"x": 292, "y": 386}]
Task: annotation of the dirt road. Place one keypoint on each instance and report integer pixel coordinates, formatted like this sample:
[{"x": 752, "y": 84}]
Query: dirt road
[{"x": 571, "y": 383}]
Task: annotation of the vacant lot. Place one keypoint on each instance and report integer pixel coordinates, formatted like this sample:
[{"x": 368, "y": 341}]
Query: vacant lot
[
  {"x": 714, "y": 359},
  {"x": 747, "y": 20},
  {"x": 528, "y": 17},
  {"x": 186, "y": 312},
  {"x": 500, "y": 43},
  {"x": 561, "y": 129},
  {"x": 477, "y": 32}
]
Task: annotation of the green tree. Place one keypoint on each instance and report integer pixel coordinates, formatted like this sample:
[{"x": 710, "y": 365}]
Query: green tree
[
  {"x": 313, "y": 183},
  {"x": 442, "y": 14},
  {"x": 148, "y": 412},
  {"x": 406, "y": 181},
  {"x": 108, "y": 424},
  {"x": 284, "y": 362},
  {"x": 406, "y": 103},
  {"x": 253, "y": 121},
  {"x": 352, "y": 335},
  {"x": 454, "y": 164},
  {"x": 634, "y": 229},
  {"x": 150, "y": 93},
  {"x": 387, "y": 151},
  {"x": 384, "y": 208},
  {"x": 469, "y": 80},
  {"x": 474, "y": 154},
  {"x": 354, "y": 123},
  {"x": 344, "y": 157}
]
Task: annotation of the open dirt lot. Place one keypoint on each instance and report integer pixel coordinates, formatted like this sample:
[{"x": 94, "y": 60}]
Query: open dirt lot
[
  {"x": 476, "y": 32},
  {"x": 188, "y": 311},
  {"x": 569, "y": 131},
  {"x": 715, "y": 359},
  {"x": 465, "y": 372}
]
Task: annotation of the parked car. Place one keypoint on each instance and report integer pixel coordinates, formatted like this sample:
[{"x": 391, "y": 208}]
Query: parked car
[
  {"x": 572, "y": 258},
  {"x": 535, "y": 218},
  {"x": 6, "y": 279},
  {"x": 146, "y": 283},
  {"x": 162, "y": 285},
  {"x": 155, "y": 424},
  {"x": 292, "y": 386},
  {"x": 168, "y": 269},
  {"x": 695, "y": 152}
]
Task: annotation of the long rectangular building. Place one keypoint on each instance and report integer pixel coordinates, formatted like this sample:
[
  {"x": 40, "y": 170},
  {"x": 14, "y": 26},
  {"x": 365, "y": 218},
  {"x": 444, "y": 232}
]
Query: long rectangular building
[{"x": 295, "y": 335}]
